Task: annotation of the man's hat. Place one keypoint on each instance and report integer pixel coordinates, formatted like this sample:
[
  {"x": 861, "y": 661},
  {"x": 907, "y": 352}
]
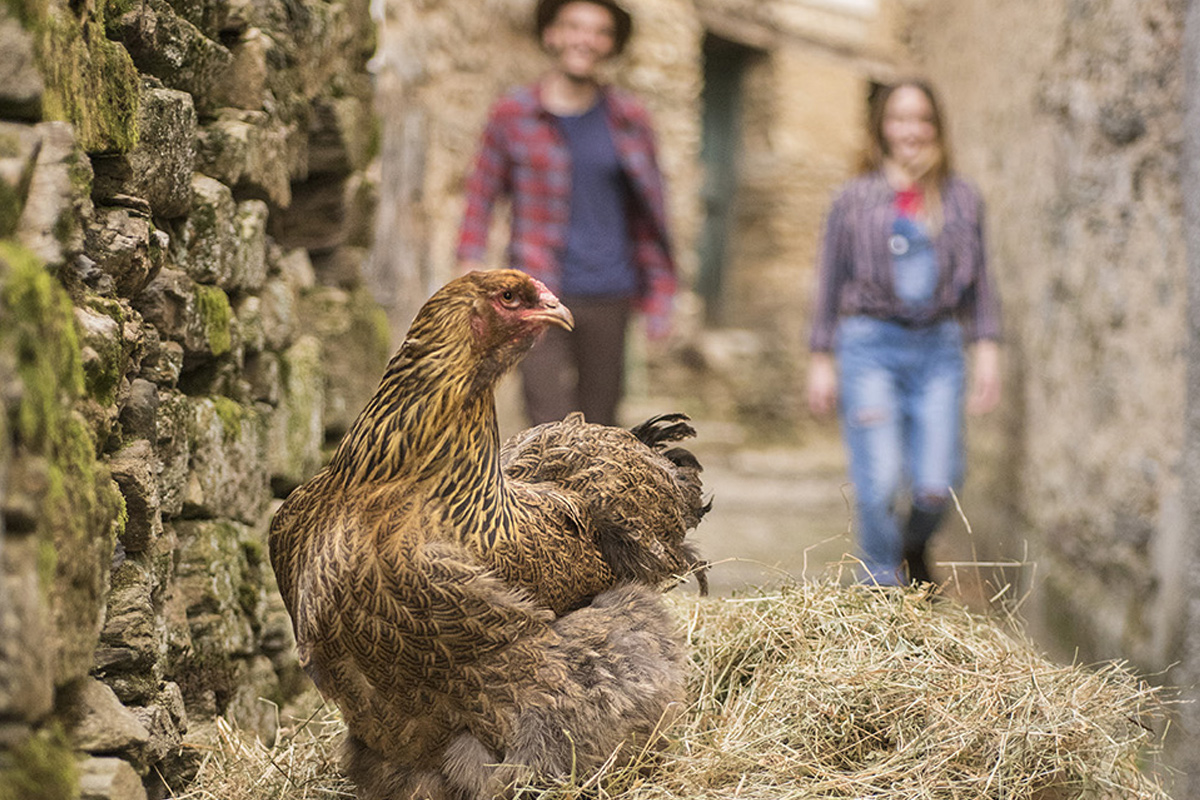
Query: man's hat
[{"x": 547, "y": 10}]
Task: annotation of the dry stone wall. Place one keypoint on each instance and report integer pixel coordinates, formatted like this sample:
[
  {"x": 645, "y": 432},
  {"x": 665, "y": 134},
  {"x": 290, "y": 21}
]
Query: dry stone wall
[{"x": 185, "y": 202}]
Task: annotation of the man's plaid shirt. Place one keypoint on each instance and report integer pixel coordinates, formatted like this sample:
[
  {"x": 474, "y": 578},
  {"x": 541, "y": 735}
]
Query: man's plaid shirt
[{"x": 523, "y": 155}]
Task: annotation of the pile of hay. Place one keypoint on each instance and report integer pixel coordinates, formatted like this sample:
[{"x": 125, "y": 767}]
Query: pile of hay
[{"x": 817, "y": 691}]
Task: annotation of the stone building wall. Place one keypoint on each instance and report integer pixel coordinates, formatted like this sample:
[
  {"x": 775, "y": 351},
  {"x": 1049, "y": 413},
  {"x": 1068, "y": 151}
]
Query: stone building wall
[
  {"x": 1069, "y": 116},
  {"x": 184, "y": 203}
]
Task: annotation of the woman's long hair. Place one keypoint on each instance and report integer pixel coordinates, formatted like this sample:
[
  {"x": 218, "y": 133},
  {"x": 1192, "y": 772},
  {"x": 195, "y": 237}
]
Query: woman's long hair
[{"x": 873, "y": 157}]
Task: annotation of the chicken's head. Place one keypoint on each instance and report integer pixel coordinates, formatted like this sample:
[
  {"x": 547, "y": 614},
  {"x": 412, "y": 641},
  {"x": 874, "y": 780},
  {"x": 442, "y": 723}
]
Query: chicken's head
[{"x": 490, "y": 318}]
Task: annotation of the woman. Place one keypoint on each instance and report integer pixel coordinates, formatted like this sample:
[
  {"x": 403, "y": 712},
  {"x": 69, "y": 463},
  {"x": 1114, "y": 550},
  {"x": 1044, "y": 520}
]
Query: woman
[{"x": 903, "y": 287}]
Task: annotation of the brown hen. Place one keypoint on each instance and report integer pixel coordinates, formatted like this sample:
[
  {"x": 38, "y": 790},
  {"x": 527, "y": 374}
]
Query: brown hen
[{"x": 484, "y": 616}]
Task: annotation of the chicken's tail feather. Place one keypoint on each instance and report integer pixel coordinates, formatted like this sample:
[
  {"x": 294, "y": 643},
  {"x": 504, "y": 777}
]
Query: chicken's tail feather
[{"x": 663, "y": 428}]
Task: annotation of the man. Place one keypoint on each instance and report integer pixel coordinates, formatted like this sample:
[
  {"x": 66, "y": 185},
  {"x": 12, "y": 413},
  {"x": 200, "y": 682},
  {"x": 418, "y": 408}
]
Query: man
[{"x": 577, "y": 160}]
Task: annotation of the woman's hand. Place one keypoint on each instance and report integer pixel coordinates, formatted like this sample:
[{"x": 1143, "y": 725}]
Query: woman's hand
[
  {"x": 822, "y": 384},
  {"x": 985, "y": 378}
]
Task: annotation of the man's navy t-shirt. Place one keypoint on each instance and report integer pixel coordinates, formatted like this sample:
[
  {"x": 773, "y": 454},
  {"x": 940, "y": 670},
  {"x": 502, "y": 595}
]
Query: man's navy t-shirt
[{"x": 598, "y": 258}]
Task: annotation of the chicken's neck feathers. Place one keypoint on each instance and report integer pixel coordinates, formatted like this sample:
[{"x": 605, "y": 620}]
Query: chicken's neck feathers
[{"x": 434, "y": 426}]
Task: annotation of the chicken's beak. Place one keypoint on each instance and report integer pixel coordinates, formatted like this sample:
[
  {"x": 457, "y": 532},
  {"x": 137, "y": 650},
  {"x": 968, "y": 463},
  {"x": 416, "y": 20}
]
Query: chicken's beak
[{"x": 553, "y": 312}]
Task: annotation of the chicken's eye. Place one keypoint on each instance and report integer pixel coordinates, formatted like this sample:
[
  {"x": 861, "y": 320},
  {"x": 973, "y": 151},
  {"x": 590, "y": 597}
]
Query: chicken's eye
[{"x": 509, "y": 298}]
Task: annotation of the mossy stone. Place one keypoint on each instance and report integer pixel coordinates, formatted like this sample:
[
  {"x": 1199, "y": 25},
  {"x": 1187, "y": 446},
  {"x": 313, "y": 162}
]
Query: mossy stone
[
  {"x": 43, "y": 768},
  {"x": 83, "y": 510},
  {"x": 91, "y": 82},
  {"x": 216, "y": 315}
]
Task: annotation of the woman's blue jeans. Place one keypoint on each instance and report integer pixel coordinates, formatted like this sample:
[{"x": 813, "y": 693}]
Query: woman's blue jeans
[{"x": 901, "y": 399}]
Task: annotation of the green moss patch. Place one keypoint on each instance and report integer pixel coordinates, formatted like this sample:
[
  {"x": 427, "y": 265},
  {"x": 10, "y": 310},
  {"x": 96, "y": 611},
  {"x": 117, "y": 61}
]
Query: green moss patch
[
  {"x": 84, "y": 510},
  {"x": 43, "y": 768},
  {"x": 91, "y": 81},
  {"x": 217, "y": 317}
]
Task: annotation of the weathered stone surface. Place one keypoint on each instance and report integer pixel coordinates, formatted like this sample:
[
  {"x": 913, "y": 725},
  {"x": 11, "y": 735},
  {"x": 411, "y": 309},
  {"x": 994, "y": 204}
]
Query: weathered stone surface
[
  {"x": 248, "y": 310},
  {"x": 226, "y": 475},
  {"x": 102, "y": 348},
  {"x": 361, "y": 337},
  {"x": 19, "y": 147},
  {"x": 174, "y": 449},
  {"x": 159, "y": 168},
  {"x": 252, "y": 151},
  {"x": 218, "y": 590},
  {"x": 297, "y": 430},
  {"x": 96, "y": 721},
  {"x": 209, "y": 237},
  {"x": 278, "y": 314},
  {"x": 109, "y": 779},
  {"x": 170, "y": 48},
  {"x": 131, "y": 643},
  {"x": 197, "y": 316},
  {"x": 21, "y": 84},
  {"x": 249, "y": 259},
  {"x": 265, "y": 375},
  {"x": 251, "y": 708},
  {"x": 51, "y": 220},
  {"x": 166, "y": 721},
  {"x": 139, "y": 415},
  {"x": 162, "y": 361},
  {"x": 296, "y": 267},
  {"x": 176, "y": 390},
  {"x": 118, "y": 239},
  {"x": 341, "y": 137},
  {"x": 246, "y": 82},
  {"x": 135, "y": 469},
  {"x": 341, "y": 267},
  {"x": 26, "y": 653},
  {"x": 90, "y": 81}
]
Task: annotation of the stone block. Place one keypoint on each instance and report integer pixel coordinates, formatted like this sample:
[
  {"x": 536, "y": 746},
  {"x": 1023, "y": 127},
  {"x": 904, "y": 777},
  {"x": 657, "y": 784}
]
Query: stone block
[
  {"x": 139, "y": 415},
  {"x": 297, "y": 429},
  {"x": 296, "y": 267},
  {"x": 252, "y": 151},
  {"x": 21, "y": 83},
  {"x": 174, "y": 450},
  {"x": 135, "y": 469},
  {"x": 96, "y": 721},
  {"x": 362, "y": 202},
  {"x": 341, "y": 267},
  {"x": 249, "y": 257},
  {"x": 51, "y": 221},
  {"x": 248, "y": 310},
  {"x": 265, "y": 375},
  {"x": 162, "y": 361},
  {"x": 166, "y": 721},
  {"x": 246, "y": 82},
  {"x": 19, "y": 148},
  {"x": 175, "y": 51},
  {"x": 197, "y": 316},
  {"x": 279, "y": 306},
  {"x": 227, "y": 476},
  {"x": 159, "y": 168},
  {"x": 340, "y": 139},
  {"x": 132, "y": 641},
  {"x": 208, "y": 238},
  {"x": 26, "y": 652},
  {"x": 109, "y": 779},
  {"x": 118, "y": 240},
  {"x": 218, "y": 590},
  {"x": 316, "y": 217},
  {"x": 103, "y": 348}
]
